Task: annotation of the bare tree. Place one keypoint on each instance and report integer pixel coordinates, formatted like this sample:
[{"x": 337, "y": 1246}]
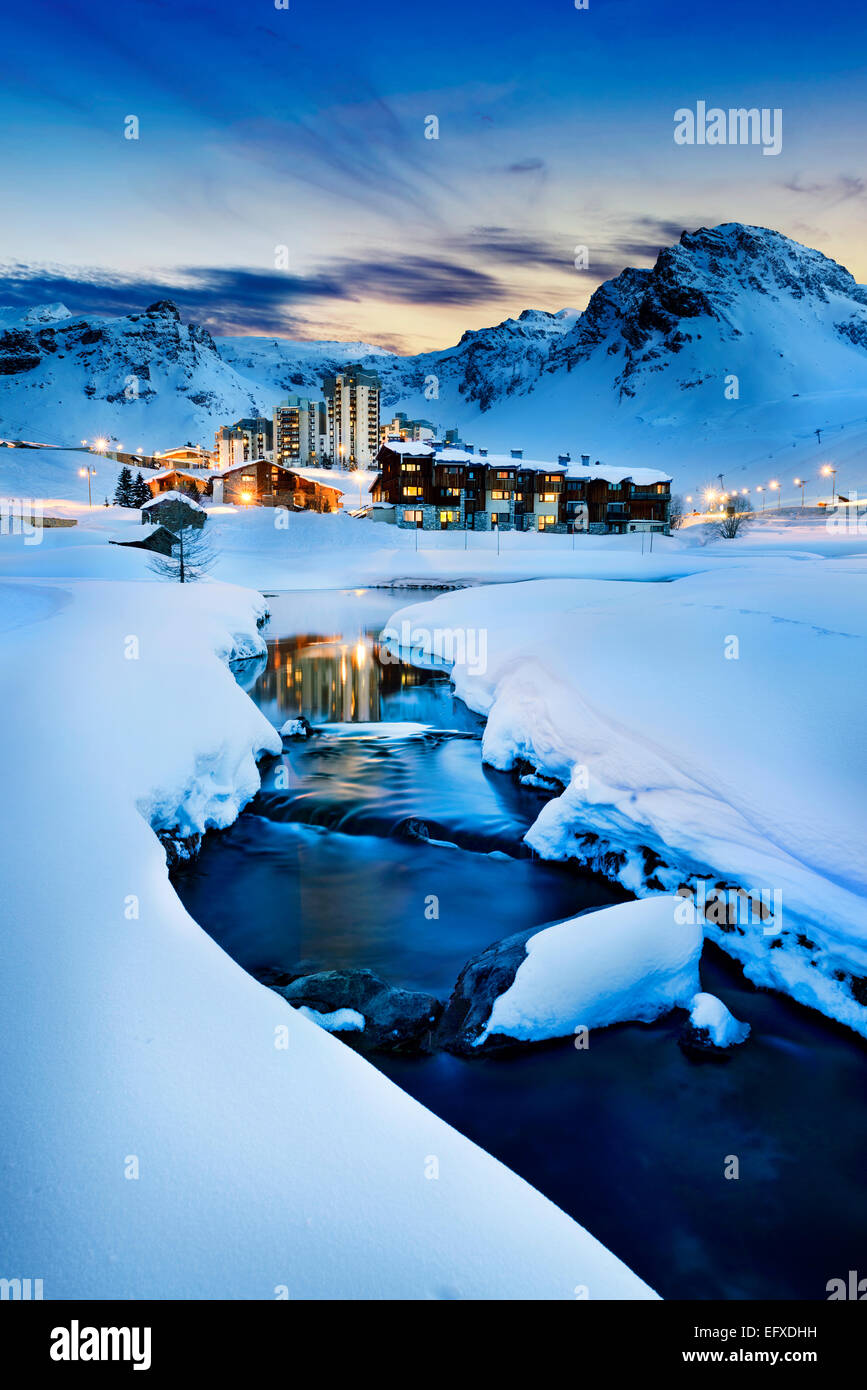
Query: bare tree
[
  {"x": 733, "y": 520},
  {"x": 191, "y": 558},
  {"x": 675, "y": 512}
]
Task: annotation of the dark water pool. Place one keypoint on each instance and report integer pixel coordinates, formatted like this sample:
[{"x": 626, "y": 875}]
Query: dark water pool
[{"x": 336, "y": 864}]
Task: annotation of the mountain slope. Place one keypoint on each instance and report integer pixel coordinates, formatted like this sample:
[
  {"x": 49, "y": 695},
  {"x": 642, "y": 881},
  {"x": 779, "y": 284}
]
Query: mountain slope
[
  {"x": 146, "y": 379},
  {"x": 740, "y": 351}
]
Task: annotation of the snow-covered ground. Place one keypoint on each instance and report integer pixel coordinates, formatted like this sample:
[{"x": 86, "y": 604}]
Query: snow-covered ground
[
  {"x": 710, "y": 729},
  {"x": 171, "y": 1128},
  {"x": 688, "y": 756}
]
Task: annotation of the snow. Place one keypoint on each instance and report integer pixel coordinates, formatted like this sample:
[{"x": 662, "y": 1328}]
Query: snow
[
  {"x": 190, "y": 1135},
  {"x": 338, "y": 1021},
  {"x": 709, "y": 729},
  {"x": 294, "y": 728},
  {"x": 630, "y": 962},
  {"x": 711, "y": 1015},
  {"x": 173, "y": 497}
]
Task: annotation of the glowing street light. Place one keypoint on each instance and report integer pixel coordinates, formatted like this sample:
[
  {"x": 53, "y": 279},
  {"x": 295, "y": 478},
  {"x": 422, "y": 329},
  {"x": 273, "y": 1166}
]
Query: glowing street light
[
  {"x": 100, "y": 445},
  {"x": 828, "y": 471},
  {"x": 799, "y": 482},
  {"x": 775, "y": 487},
  {"x": 762, "y": 491},
  {"x": 87, "y": 473}
]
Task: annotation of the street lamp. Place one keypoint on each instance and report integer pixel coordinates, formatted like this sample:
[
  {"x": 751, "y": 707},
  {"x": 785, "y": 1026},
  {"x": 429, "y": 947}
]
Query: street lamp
[
  {"x": 775, "y": 487},
  {"x": 799, "y": 482},
  {"x": 830, "y": 472},
  {"x": 87, "y": 473},
  {"x": 762, "y": 491}
]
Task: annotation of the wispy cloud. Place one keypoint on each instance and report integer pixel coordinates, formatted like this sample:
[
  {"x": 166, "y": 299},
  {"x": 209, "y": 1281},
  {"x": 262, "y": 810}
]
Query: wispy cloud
[
  {"x": 235, "y": 299},
  {"x": 839, "y": 189}
]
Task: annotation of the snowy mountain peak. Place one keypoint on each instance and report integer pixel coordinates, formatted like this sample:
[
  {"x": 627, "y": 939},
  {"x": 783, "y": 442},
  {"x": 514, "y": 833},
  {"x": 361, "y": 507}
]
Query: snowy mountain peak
[{"x": 740, "y": 348}]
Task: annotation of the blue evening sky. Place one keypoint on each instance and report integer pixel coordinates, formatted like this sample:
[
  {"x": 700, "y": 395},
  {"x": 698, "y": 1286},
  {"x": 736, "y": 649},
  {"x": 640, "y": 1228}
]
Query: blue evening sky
[{"x": 262, "y": 128}]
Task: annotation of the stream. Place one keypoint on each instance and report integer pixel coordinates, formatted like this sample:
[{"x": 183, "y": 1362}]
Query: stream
[{"x": 386, "y": 808}]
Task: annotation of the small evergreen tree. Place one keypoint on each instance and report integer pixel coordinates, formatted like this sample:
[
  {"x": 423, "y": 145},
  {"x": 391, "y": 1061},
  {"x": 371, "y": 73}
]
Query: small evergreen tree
[
  {"x": 141, "y": 493},
  {"x": 191, "y": 557},
  {"x": 123, "y": 493}
]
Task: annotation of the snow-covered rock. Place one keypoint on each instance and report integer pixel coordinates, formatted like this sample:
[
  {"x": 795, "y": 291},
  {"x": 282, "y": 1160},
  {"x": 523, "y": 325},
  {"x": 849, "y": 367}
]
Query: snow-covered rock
[
  {"x": 295, "y": 728},
  {"x": 627, "y": 963},
  {"x": 712, "y": 1025},
  {"x": 392, "y": 1019}
]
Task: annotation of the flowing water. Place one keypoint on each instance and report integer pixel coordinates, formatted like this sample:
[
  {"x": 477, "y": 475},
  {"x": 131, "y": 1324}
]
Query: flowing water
[{"x": 381, "y": 841}]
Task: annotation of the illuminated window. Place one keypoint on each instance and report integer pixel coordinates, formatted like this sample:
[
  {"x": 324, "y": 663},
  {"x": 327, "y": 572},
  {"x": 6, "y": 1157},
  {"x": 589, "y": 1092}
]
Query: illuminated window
[
  {"x": 412, "y": 492},
  {"x": 548, "y": 497},
  {"x": 412, "y": 517}
]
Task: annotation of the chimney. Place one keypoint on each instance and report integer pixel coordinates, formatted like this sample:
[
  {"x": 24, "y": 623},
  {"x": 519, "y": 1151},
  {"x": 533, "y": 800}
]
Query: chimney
[
  {"x": 564, "y": 458},
  {"x": 517, "y": 453},
  {"x": 470, "y": 448},
  {"x": 585, "y": 460},
  {"x": 483, "y": 453}
]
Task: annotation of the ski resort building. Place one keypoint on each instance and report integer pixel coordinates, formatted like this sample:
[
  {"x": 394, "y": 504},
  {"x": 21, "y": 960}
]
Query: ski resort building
[
  {"x": 263, "y": 483},
  {"x": 177, "y": 479},
  {"x": 402, "y": 428},
  {"x": 352, "y": 405},
  {"x": 447, "y": 488},
  {"x": 300, "y": 431},
  {"x": 244, "y": 441},
  {"x": 187, "y": 456}
]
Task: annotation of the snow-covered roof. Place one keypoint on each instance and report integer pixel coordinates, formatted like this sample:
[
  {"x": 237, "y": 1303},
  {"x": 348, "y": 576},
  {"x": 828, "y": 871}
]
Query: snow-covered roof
[
  {"x": 610, "y": 473},
  {"x": 313, "y": 475},
  {"x": 408, "y": 446},
  {"x": 198, "y": 476},
  {"x": 173, "y": 497}
]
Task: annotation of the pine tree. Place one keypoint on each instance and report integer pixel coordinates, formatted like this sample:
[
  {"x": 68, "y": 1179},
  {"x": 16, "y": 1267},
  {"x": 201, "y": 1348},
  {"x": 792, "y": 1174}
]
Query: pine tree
[
  {"x": 191, "y": 557},
  {"x": 124, "y": 490},
  {"x": 141, "y": 493}
]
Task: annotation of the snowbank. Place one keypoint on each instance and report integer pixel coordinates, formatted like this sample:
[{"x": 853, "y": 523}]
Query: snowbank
[
  {"x": 710, "y": 729},
  {"x": 630, "y": 962},
  {"x": 172, "y": 1128}
]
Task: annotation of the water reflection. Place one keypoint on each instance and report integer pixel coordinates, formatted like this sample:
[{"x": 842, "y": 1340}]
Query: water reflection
[{"x": 331, "y": 680}]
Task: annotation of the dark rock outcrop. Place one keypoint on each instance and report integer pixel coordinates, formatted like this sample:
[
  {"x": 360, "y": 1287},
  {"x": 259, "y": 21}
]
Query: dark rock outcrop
[
  {"x": 482, "y": 980},
  {"x": 395, "y": 1020}
]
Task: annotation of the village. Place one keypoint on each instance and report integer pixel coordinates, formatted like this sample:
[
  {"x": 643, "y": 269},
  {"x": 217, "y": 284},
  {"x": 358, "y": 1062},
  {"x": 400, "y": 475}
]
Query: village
[{"x": 337, "y": 455}]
